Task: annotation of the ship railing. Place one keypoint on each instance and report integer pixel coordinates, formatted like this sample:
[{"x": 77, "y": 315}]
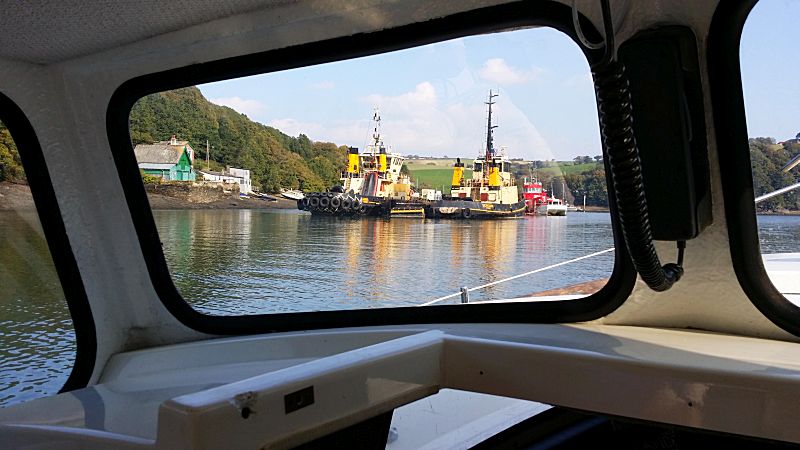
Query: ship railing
[{"x": 464, "y": 291}]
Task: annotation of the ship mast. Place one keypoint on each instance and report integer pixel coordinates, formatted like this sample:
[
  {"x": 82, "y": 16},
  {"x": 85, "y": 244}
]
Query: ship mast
[
  {"x": 376, "y": 132},
  {"x": 489, "y": 158}
]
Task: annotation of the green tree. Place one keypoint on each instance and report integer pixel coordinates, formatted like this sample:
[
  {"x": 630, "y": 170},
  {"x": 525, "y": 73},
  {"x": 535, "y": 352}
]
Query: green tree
[
  {"x": 10, "y": 163},
  {"x": 275, "y": 159}
]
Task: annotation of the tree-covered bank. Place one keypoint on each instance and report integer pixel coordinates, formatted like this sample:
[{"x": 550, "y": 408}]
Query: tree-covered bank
[
  {"x": 10, "y": 164},
  {"x": 278, "y": 161},
  {"x": 275, "y": 160}
]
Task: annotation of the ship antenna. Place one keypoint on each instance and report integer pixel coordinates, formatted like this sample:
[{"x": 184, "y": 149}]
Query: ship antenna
[{"x": 376, "y": 134}]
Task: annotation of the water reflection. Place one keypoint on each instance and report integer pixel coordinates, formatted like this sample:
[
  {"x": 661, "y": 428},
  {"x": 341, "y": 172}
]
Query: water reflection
[
  {"x": 37, "y": 341},
  {"x": 250, "y": 261},
  {"x": 779, "y": 234},
  {"x": 246, "y": 262}
]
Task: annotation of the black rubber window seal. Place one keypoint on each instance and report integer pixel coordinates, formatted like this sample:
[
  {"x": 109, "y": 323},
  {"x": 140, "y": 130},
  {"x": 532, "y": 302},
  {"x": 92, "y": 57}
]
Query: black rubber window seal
[
  {"x": 727, "y": 98},
  {"x": 44, "y": 197},
  {"x": 483, "y": 20}
]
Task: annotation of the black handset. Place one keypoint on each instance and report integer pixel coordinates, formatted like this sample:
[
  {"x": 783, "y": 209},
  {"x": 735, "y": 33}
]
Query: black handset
[
  {"x": 661, "y": 104},
  {"x": 669, "y": 124}
]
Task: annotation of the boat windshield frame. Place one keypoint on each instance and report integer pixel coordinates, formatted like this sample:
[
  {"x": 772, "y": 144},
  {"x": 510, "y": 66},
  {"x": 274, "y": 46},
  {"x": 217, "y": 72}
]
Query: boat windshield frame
[
  {"x": 727, "y": 96},
  {"x": 49, "y": 213},
  {"x": 498, "y": 18}
]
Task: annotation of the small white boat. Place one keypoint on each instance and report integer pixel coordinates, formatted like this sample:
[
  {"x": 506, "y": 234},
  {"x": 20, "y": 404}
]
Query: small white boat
[
  {"x": 293, "y": 194},
  {"x": 553, "y": 207}
]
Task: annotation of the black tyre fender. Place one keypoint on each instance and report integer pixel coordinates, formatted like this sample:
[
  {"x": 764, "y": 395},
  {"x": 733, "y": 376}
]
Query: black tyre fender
[
  {"x": 324, "y": 202},
  {"x": 313, "y": 201},
  {"x": 466, "y": 213},
  {"x": 336, "y": 202}
]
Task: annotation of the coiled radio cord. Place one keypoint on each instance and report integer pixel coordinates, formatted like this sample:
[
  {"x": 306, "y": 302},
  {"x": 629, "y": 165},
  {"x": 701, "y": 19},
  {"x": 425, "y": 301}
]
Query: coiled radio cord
[{"x": 616, "y": 123}]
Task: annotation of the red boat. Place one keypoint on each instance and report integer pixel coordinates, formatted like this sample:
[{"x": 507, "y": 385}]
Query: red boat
[{"x": 534, "y": 195}]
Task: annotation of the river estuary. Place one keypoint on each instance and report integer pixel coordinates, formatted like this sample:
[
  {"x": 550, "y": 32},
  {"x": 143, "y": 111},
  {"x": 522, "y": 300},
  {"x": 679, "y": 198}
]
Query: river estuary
[{"x": 229, "y": 262}]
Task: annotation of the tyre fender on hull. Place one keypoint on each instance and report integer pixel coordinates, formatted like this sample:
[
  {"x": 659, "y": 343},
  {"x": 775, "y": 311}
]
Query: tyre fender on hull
[{"x": 466, "y": 213}]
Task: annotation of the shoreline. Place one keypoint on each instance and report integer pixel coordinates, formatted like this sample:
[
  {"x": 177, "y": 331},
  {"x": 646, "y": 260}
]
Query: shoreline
[{"x": 14, "y": 196}]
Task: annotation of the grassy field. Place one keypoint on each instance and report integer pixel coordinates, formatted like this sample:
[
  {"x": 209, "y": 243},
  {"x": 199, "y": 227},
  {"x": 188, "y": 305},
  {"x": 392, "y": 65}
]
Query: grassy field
[
  {"x": 567, "y": 168},
  {"x": 435, "y": 173},
  {"x": 434, "y": 177}
]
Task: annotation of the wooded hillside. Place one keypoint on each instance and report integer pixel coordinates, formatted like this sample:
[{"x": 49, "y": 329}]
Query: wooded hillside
[
  {"x": 277, "y": 160},
  {"x": 274, "y": 159}
]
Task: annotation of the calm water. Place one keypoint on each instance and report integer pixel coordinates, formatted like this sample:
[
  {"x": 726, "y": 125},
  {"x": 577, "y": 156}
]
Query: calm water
[
  {"x": 246, "y": 262},
  {"x": 250, "y": 261}
]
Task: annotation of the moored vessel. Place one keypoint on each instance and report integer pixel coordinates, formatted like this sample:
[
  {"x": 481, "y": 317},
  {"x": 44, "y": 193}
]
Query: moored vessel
[
  {"x": 372, "y": 184},
  {"x": 491, "y": 192},
  {"x": 537, "y": 202},
  {"x": 552, "y": 207}
]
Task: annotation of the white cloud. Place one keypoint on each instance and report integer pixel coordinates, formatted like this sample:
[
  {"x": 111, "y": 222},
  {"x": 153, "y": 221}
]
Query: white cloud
[
  {"x": 422, "y": 122},
  {"x": 496, "y": 70},
  {"x": 582, "y": 80},
  {"x": 336, "y": 131},
  {"x": 248, "y": 107},
  {"x": 324, "y": 85}
]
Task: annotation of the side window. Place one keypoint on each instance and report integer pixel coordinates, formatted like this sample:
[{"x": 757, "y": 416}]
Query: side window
[
  {"x": 384, "y": 181},
  {"x": 772, "y": 103},
  {"x": 37, "y": 340}
]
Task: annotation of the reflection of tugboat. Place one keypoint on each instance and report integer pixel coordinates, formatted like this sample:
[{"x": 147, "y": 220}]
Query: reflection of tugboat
[
  {"x": 371, "y": 185},
  {"x": 537, "y": 201},
  {"x": 490, "y": 193}
]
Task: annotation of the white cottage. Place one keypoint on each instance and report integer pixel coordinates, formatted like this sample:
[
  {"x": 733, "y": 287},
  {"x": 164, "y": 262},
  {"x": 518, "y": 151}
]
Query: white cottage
[{"x": 230, "y": 175}]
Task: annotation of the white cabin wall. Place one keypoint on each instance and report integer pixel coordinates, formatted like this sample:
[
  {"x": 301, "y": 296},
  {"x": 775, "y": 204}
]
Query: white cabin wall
[
  {"x": 66, "y": 103},
  {"x": 709, "y": 296}
]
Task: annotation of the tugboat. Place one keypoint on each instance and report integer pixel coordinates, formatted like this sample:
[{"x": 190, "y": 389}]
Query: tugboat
[
  {"x": 371, "y": 185},
  {"x": 490, "y": 193},
  {"x": 537, "y": 201}
]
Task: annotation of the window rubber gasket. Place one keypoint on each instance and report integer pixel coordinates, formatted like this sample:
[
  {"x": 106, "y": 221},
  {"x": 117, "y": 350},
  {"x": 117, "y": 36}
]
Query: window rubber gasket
[
  {"x": 49, "y": 213},
  {"x": 727, "y": 99},
  {"x": 483, "y": 20}
]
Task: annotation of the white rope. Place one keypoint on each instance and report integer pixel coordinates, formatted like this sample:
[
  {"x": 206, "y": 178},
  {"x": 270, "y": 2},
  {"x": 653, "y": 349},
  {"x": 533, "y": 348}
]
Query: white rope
[{"x": 518, "y": 276}]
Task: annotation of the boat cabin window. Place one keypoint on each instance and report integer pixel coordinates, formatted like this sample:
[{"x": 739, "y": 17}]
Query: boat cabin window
[
  {"x": 314, "y": 231},
  {"x": 772, "y": 105},
  {"x": 37, "y": 339}
]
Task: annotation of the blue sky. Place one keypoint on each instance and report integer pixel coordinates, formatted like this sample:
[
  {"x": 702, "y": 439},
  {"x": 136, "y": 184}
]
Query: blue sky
[
  {"x": 432, "y": 98},
  {"x": 771, "y": 69}
]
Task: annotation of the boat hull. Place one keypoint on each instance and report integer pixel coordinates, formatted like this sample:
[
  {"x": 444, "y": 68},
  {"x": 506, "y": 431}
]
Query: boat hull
[
  {"x": 552, "y": 210},
  {"x": 351, "y": 205},
  {"x": 470, "y": 209}
]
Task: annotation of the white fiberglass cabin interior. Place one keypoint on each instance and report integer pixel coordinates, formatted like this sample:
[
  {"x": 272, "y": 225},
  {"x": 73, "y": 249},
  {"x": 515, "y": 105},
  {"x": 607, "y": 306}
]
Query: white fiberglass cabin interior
[{"x": 691, "y": 338}]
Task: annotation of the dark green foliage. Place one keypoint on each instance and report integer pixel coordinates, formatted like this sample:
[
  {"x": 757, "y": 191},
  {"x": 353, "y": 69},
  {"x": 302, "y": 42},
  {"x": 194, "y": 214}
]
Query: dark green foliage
[
  {"x": 275, "y": 160},
  {"x": 767, "y": 158},
  {"x": 591, "y": 183},
  {"x": 10, "y": 164}
]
